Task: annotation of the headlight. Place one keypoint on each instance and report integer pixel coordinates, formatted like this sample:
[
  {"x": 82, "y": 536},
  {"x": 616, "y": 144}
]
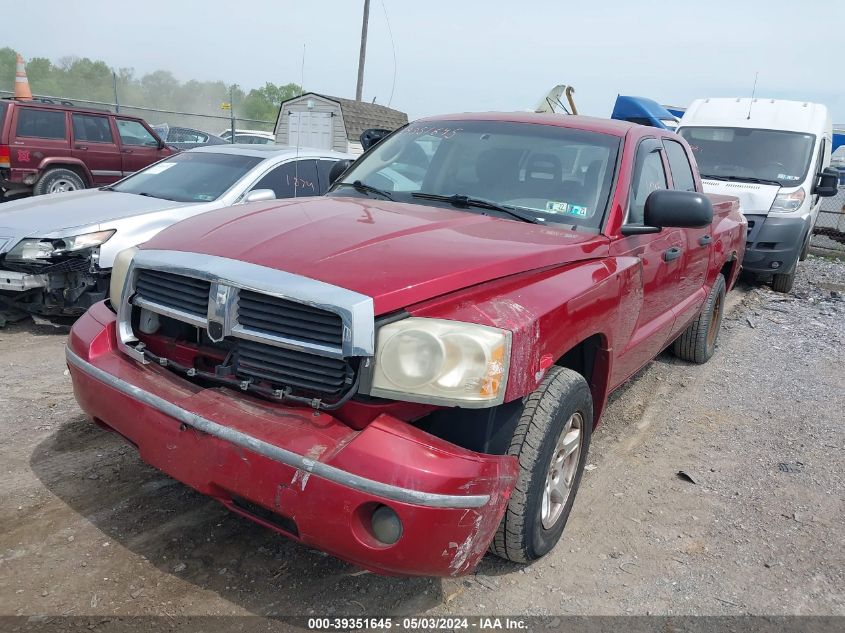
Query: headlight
[
  {"x": 788, "y": 202},
  {"x": 35, "y": 248},
  {"x": 441, "y": 362},
  {"x": 119, "y": 269}
]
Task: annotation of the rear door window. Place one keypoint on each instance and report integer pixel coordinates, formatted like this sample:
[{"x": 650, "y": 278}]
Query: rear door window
[
  {"x": 36, "y": 123},
  {"x": 295, "y": 179},
  {"x": 91, "y": 128},
  {"x": 682, "y": 177}
]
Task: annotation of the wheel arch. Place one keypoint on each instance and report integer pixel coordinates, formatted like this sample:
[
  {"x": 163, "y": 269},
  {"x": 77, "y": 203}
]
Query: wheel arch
[
  {"x": 591, "y": 359},
  {"x": 76, "y": 166}
]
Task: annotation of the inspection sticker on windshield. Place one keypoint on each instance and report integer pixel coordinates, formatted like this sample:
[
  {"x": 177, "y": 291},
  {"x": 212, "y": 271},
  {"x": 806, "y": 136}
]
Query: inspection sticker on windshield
[
  {"x": 157, "y": 169},
  {"x": 566, "y": 208},
  {"x": 788, "y": 177}
]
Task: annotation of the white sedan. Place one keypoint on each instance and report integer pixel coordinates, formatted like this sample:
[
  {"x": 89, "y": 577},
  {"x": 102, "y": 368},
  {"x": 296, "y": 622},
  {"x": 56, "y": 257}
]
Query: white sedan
[{"x": 56, "y": 251}]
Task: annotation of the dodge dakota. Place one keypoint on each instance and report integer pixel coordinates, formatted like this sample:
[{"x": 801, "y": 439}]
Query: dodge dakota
[{"x": 406, "y": 372}]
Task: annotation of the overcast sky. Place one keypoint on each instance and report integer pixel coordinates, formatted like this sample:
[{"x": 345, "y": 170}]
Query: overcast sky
[{"x": 466, "y": 55}]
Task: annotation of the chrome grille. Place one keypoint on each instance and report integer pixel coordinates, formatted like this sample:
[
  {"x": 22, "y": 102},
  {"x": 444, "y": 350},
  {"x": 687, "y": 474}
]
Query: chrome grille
[
  {"x": 291, "y": 368},
  {"x": 178, "y": 292},
  {"x": 283, "y": 331},
  {"x": 281, "y": 317}
]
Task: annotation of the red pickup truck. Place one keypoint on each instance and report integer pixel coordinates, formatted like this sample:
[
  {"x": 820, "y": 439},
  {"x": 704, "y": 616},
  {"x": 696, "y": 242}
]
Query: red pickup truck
[{"x": 406, "y": 372}]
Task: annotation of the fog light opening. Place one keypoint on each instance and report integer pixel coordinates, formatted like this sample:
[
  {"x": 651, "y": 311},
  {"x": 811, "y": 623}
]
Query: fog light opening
[
  {"x": 386, "y": 525},
  {"x": 148, "y": 322},
  {"x": 775, "y": 265}
]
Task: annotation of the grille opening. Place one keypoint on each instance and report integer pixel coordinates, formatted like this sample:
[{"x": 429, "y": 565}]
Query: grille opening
[
  {"x": 285, "y": 524},
  {"x": 174, "y": 291},
  {"x": 281, "y": 317},
  {"x": 235, "y": 360}
]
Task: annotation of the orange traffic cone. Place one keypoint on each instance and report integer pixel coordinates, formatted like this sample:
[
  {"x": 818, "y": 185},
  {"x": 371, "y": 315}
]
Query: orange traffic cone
[{"x": 22, "y": 90}]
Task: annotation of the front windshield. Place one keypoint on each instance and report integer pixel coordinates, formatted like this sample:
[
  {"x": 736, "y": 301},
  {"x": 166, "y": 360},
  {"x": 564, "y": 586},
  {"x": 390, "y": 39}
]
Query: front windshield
[
  {"x": 554, "y": 175},
  {"x": 189, "y": 177},
  {"x": 748, "y": 154}
]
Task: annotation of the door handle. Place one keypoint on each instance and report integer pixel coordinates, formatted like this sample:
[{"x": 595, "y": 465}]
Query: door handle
[
  {"x": 126, "y": 151},
  {"x": 671, "y": 253},
  {"x": 705, "y": 240},
  {"x": 82, "y": 147}
]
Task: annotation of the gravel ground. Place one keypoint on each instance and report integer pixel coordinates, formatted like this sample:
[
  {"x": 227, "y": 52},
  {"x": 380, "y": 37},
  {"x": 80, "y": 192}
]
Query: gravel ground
[{"x": 756, "y": 526}]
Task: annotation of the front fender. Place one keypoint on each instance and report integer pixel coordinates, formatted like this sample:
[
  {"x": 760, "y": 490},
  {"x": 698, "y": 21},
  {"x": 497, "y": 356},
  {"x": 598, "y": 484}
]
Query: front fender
[{"x": 548, "y": 312}]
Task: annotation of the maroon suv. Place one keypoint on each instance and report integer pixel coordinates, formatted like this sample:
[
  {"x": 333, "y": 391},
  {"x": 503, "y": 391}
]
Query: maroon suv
[{"x": 47, "y": 148}]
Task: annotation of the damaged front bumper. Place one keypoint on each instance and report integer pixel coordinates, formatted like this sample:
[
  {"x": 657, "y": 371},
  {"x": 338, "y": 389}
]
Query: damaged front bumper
[
  {"x": 12, "y": 281},
  {"x": 300, "y": 472},
  {"x": 66, "y": 288}
]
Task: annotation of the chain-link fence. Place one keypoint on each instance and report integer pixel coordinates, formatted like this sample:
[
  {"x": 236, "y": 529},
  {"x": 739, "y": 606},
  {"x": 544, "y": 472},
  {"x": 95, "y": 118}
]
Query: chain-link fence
[
  {"x": 829, "y": 233},
  {"x": 207, "y": 122}
]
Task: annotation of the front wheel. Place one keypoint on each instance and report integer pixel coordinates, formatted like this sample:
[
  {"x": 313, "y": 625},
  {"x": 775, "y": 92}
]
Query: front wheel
[
  {"x": 550, "y": 441},
  {"x": 783, "y": 282}
]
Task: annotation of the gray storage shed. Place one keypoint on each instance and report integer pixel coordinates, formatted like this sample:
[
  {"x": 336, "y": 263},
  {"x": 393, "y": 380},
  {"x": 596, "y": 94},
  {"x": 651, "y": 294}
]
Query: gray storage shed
[{"x": 324, "y": 122}]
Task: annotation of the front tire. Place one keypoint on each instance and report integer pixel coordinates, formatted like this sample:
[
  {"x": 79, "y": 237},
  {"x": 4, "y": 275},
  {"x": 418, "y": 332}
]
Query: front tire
[
  {"x": 550, "y": 441},
  {"x": 58, "y": 180},
  {"x": 783, "y": 282},
  {"x": 698, "y": 342}
]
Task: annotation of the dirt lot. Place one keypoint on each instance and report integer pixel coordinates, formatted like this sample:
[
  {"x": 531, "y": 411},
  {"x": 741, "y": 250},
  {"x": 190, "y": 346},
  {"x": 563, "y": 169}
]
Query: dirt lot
[{"x": 87, "y": 529}]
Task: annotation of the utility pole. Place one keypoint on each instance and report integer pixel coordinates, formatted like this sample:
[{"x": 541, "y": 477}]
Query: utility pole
[{"x": 360, "y": 88}]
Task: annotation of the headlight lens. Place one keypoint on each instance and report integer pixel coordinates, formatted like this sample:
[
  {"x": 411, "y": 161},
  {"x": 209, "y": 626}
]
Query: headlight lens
[
  {"x": 35, "y": 248},
  {"x": 441, "y": 362},
  {"x": 119, "y": 270},
  {"x": 788, "y": 202}
]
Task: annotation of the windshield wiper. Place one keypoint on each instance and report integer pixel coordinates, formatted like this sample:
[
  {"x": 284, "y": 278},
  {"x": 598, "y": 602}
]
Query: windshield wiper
[
  {"x": 459, "y": 200},
  {"x": 150, "y": 195},
  {"x": 360, "y": 186},
  {"x": 759, "y": 181},
  {"x": 107, "y": 188}
]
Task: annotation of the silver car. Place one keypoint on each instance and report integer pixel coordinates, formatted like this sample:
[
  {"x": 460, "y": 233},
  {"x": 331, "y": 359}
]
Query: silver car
[{"x": 56, "y": 251}]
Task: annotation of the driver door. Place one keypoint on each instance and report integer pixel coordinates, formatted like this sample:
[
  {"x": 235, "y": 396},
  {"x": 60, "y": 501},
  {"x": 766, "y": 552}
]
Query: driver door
[
  {"x": 138, "y": 146},
  {"x": 660, "y": 261}
]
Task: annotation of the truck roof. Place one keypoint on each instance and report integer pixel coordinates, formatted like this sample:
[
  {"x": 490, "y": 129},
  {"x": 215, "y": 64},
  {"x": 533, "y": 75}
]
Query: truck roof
[
  {"x": 591, "y": 124},
  {"x": 767, "y": 114}
]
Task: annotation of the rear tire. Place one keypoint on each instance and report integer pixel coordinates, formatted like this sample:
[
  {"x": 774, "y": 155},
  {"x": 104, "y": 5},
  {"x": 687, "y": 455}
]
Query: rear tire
[
  {"x": 56, "y": 181},
  {"x": 551, "y": 438},
  {"x": 783, "y": 282},
  {"x": 698, "y": 342}
]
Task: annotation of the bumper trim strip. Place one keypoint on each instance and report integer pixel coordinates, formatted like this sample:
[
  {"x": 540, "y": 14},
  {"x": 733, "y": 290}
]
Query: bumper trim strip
[{"x": 276, "y": 453}]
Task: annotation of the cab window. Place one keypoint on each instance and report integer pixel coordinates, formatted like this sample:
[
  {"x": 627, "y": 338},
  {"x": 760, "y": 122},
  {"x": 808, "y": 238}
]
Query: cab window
[
  {"x": 295, "y": 179},
  {"x": 649, "y": 175},
  {"x": 133, "y": 133},
  {"x": 682, "y": 177}
]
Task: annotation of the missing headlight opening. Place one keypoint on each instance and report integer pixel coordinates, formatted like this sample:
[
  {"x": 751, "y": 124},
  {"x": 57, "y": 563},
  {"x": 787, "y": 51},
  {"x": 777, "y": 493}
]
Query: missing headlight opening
[{"x": 187, "y": 350}]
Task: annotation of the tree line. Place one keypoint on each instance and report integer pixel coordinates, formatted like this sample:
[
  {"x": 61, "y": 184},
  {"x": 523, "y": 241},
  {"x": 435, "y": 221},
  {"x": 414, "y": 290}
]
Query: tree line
[{"x": 83, "y": 79}]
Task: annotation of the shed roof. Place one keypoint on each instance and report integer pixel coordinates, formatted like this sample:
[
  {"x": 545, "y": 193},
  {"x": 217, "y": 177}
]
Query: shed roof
[{"x": 361, "y": 115}]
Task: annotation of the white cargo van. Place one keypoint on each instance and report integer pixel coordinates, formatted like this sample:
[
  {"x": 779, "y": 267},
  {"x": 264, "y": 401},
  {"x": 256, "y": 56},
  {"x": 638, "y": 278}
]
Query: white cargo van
[{"x": 775, "y": 157}]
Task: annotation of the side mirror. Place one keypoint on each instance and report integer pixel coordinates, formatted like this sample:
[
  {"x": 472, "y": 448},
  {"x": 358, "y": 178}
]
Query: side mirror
[
  {"x": 338, "y": 168},
  {"x": 372, "y": 137},
  {"x": 828, "y": 183},
  {"x": 259, "y": 195},
  {"x": 669, "y": 208}
]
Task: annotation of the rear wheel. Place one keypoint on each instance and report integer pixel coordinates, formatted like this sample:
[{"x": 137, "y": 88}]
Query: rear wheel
[
  {"x": 698, "y": 342},
  {"x": 550, "y": 441},
  {"x": 783, "y": 282},
  {"x": 58, "y": 180}
]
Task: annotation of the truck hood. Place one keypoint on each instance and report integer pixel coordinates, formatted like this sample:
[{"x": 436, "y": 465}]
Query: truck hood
[
  {"x": 754, "y": 199},
  {"x": 398, "y": 254},
  {"x": 55, "y": 215}
]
